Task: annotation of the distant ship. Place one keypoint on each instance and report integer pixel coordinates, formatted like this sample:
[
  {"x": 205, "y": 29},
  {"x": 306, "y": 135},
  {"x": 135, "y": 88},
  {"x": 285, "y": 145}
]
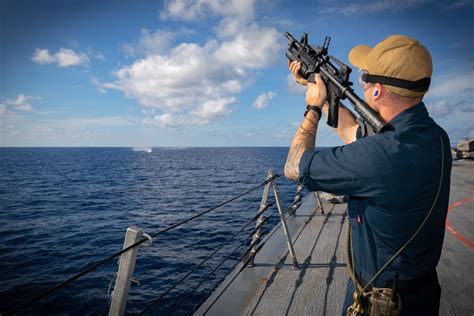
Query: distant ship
[{"x": 146, "y": 149}]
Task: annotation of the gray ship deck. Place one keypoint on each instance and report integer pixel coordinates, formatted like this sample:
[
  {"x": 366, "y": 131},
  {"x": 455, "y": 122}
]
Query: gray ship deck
[{"x": 317, "y": 287}]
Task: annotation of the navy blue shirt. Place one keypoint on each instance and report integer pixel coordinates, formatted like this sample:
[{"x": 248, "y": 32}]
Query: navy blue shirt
[{"x": 392, "y": 179}]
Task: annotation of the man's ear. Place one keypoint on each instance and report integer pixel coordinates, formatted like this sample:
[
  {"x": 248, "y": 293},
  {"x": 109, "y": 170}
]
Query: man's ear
[{"x": 378, "y": 91}]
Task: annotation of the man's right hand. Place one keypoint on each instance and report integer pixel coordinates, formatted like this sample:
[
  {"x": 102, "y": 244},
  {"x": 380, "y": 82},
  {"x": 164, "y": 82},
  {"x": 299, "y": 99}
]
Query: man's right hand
[
  {"x": 294, "y": 67},
  {"x": 316, "y": 93}
]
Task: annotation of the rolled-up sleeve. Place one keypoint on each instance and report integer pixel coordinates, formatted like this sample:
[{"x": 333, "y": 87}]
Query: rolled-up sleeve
[{"x": 355, "y": 169}]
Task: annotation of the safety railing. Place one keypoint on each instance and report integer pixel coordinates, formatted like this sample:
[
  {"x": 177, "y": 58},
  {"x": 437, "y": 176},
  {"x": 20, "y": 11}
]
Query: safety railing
[{"x": 135, "y": 237}]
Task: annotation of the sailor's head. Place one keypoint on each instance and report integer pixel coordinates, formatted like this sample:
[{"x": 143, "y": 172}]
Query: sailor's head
[{"x": 399, "y": 64}]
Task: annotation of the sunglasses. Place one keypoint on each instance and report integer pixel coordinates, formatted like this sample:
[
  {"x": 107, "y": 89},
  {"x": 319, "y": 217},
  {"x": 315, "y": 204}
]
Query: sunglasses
[{"x": 360, "y": 81}]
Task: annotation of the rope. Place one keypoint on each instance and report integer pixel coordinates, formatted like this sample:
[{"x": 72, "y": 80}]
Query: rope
[
  {"x": 160, "y": 298},
  {"x": 99, "y": 263}
]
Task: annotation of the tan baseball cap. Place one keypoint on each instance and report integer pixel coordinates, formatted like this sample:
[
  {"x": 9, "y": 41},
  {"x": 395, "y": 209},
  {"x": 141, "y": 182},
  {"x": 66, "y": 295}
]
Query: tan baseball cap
[{"x": 398, "y": 62}]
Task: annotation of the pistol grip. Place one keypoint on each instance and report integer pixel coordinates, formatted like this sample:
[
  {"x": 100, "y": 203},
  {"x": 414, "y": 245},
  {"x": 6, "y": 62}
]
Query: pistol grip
[{"x": 333, "y": 114}]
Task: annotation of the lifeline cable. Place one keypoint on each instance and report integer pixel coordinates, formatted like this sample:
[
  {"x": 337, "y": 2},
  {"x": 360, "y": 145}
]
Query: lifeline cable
[
  {"x": 243, "y": 264},
  {"x": 232, "y": 269},
  {"x": 160, "y": 298},
  {"x": 97, "y": 264},
  {"x": 260, "y": 246},
  {"x": 214, "y": 270}
]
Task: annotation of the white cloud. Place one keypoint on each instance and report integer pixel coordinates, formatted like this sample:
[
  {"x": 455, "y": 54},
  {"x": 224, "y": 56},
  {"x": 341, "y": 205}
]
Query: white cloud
[
  {"x": 283, "y": 135},
  {"x": 20, "y": 103},
  {"x": 190, "y": 83},
  {"x": 166, "y": 120},
  {"x": 368, "y": 6},
  {"x": 444, "y": 107},
  {"x": 201, "y": 115},
  {"x": 98, "y": 84},
  {"x": 42, "y": 56},
  {"x": 252, "y": 47},
  {"x": 466, "y": 105},
  {"x": 65, "y": 57},
  {"x": 458, "y": 4},
  {"x": 293, "y": 86},
  {"x": 213, "y": 109},
  {"x": 439, "y": 109},
  {"x": 355, "y": 7},
  {"x": 229, "y": 26},
  {"x": 128, "y": 49},
  {"x": 103, "y": 86},
  {"x": 199, "y": 79},
  {"x": 263, "y": 100},
  {"x": 193, "y": 10},
  {"x": 78, "y": 123},
  {"x": 157, "y": 42},
  {"x": 181, "y": 80},
  {"x": 452, "y": 85},
  {"x": 99, "y": 56}
]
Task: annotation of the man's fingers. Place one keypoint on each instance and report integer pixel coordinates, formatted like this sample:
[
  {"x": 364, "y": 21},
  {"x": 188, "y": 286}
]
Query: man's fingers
[
  {"x": 294, "y": 62},
  {"x": 297, "y": 67},
  {"x": 318, "y": 80},
  {"x": 294, "y": 68}
]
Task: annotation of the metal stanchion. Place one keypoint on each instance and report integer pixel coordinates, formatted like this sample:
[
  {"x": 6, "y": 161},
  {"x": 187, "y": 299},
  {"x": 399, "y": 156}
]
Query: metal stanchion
[
  {"x": 319, "y": 202},
  {"x": 263, "y": 204},
  {"x": 285, "y": 226},
  {"x": 125, "y": 273}
]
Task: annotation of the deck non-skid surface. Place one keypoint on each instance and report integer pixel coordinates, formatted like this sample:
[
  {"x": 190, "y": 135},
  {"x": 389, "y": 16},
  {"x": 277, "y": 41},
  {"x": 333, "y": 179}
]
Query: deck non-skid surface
[
  {"x": 455, "y": 269},
  {"x": 315, "y": 288},
  {"x": 274, "y": 287}
]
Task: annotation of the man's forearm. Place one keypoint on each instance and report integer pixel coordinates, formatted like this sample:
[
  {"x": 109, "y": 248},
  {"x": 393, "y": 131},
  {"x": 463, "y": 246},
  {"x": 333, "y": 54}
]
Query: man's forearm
[{"x": 303, "y": 140}]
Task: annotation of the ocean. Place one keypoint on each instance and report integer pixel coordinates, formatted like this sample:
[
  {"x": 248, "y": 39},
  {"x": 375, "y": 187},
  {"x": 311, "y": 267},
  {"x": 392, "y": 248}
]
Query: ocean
[{"x": 64, "y": 208}]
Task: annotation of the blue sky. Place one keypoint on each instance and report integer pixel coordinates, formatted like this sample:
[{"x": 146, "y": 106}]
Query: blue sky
[{"x": 202, "y": 72}]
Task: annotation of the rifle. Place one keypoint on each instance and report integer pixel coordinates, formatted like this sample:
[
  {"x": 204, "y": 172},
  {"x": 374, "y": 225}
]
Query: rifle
[{"x": 315, "y": 59}]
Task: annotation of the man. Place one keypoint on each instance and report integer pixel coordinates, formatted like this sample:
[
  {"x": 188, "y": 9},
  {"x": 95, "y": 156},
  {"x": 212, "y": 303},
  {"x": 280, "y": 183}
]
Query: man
[{"x": 392, "y": 178}]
